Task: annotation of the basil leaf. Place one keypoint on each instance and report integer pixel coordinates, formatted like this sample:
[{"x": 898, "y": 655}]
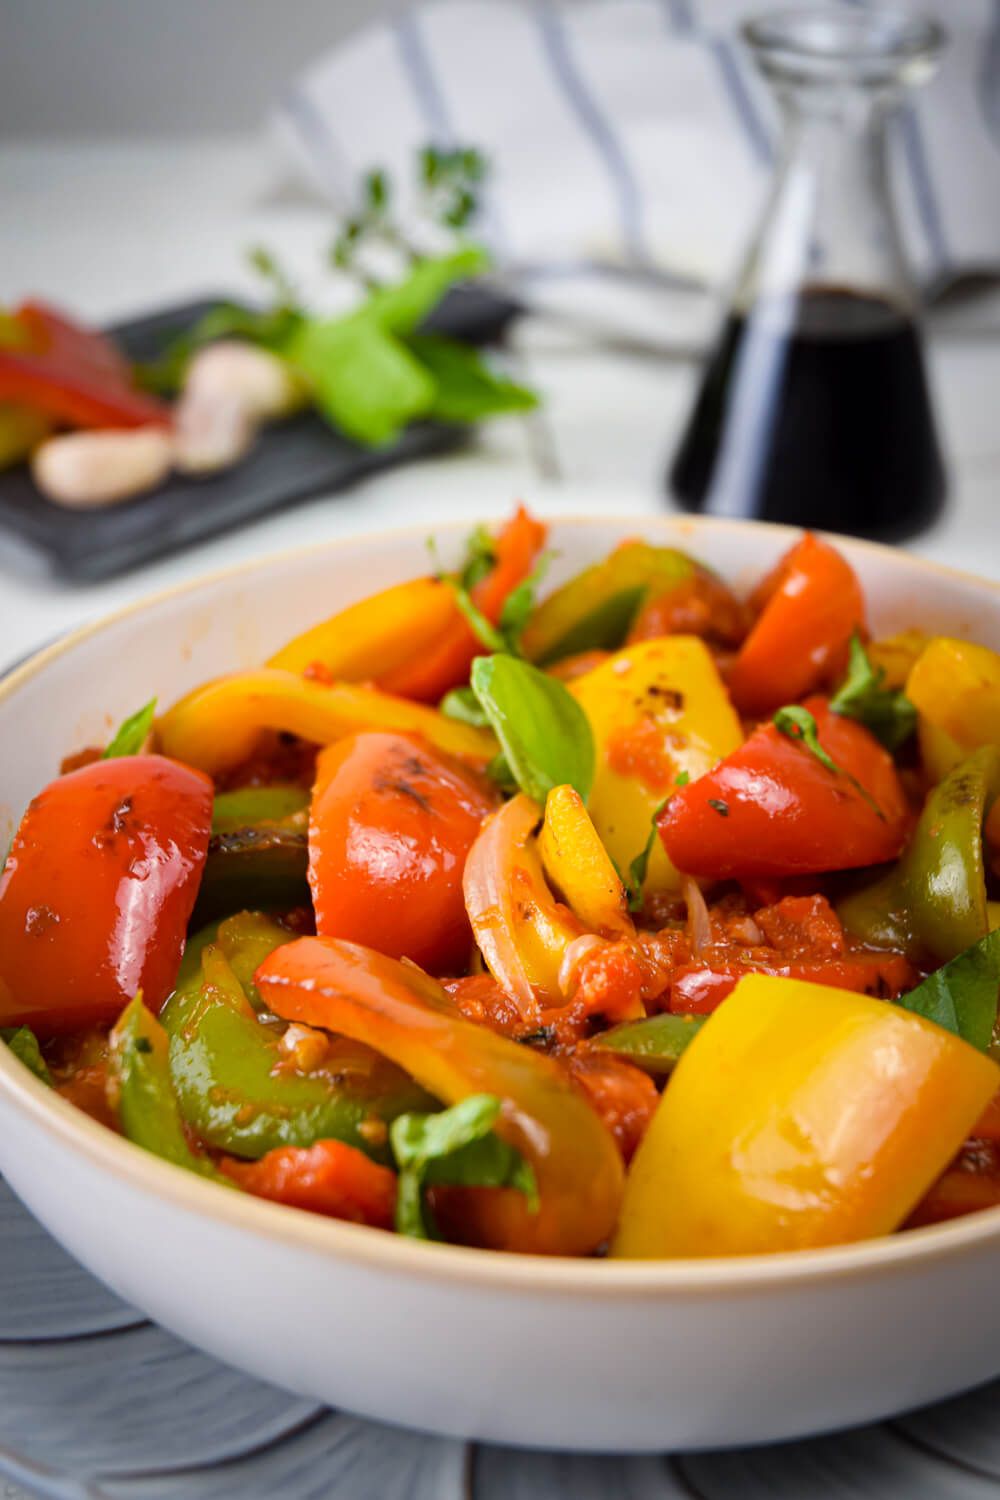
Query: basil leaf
[
  {"x": 401, "y": 308},
  {"x": 467, "y": 389},
  {"x": 456, "y": 1147},
  {"x": 362, "y": 379},
  {"x": 544, "y": 734},
  {"x": 962, "y": 995},
  {"x": 889, "y": 715},
  {"x": 463, "y": 705},
  {"x": 23, "y": 1042},
  {"x": 131, "y": 735},
  {"x": 500, "y": 773}
]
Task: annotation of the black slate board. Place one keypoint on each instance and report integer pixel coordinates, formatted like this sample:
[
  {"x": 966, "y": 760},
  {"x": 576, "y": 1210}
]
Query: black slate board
[{"x": 291, "y": 460}]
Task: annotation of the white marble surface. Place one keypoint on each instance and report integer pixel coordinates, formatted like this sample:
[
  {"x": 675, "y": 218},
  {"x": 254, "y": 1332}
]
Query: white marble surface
[{"x": 110, "y": 229}]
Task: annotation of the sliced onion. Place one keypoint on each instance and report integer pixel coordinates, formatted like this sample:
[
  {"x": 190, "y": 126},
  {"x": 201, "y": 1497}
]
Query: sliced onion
[
  {"x": 489, "y": 898},
  {"x": 699, "y": 923}
]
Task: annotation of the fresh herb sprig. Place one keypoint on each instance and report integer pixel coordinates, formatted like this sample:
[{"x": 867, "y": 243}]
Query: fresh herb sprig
[
  {"x": 457, "y": 1147},
  {"x": 797, "y": 723},
  {"x": 862, "y": 695},
  {"x": 372, "y": 371}
]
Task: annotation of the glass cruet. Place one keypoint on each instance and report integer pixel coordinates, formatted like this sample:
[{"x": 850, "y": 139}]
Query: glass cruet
[{"x": 814, "y": 407}]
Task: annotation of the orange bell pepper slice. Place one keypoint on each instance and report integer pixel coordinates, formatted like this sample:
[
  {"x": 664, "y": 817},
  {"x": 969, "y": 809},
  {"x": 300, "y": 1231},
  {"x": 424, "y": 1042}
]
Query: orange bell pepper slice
[
  {"x": 375, "y": 636},
  {"x": 401, "y": 1012},
  {"x": 428, "y": 675},
  {"x": 810, "y": 606}
]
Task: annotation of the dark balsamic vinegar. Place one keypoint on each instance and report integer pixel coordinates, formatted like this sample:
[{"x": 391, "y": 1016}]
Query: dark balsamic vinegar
[{"x": 815, "y": 412}]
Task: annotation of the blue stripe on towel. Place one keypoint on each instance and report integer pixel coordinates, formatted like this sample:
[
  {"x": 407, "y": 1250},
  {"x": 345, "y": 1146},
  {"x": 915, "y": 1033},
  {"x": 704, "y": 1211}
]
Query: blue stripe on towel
[
  {"x": 421, "y": 75},
  {"x": 420, "y": 71},
  {"x": 320, "y": 144},
  {"x": 917, "y": 165},
  {"x": 923, "y": 187},
  {"x": 598, "y": 128},
  {"x": 679, "y": 15}
]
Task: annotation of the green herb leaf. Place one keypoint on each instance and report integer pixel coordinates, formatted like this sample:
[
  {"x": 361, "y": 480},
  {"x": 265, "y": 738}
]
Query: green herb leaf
[
  {"x": 962, "y": 995},
  {"x": 520, "y": 603},
  {"x": 638, "y": 867},
  {"x": 798, "y": 724},
  {"x": 484, "y": 630},
  {"x": 131, "y": 735},
  {"x": 455, "y": 1147},
  {"x": 499, "y": 772},
  {"x": 401, "y": 308},
  {"x": 467, "y": 388},
  {"x": 23, "y": 1042},
  {"x": 544, "y": 734},
  {"x": 462, "y": 704},
  {"x": 480, "y": 556},
  {"x": 889, "y": 715},
  {"x": 363, "y": 381},
  {"x": 682, "y": 778}
]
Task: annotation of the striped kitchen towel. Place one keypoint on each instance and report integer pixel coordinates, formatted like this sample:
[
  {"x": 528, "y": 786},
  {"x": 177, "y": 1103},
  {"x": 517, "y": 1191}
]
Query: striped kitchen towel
[{"x": 633, "y": 132}]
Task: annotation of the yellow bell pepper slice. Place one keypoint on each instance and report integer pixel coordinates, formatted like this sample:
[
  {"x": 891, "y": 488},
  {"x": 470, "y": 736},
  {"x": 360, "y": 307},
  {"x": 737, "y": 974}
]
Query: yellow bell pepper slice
[
  {"x": 658, "y": 710},
  {"x": 578, "y": 865},
  {"x": 894, "y": 656},
  {"x": 218, "y": 725},
  {"x": 955, "y": 687},
  {"x": 376, "y": 635},
  {"x": 799, "y": 1116}
]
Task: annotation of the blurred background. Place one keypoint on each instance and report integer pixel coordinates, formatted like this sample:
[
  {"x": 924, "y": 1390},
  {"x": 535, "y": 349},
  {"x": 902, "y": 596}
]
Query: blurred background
[{"x": 132, "y": 67}]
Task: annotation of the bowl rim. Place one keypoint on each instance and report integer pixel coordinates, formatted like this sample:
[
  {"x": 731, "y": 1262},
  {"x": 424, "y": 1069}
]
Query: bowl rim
[{"x": 393, "y": 1254}]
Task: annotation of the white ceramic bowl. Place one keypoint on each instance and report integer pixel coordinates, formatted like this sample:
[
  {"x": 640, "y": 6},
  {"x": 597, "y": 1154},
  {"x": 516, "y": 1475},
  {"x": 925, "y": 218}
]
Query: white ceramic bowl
[{"x": 581, "y": 1354}]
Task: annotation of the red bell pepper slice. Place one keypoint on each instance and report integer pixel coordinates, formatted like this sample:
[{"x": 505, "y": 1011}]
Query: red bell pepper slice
[
  {"x": 773, "y": 809},
  {"x": 74, "y": 375},
  {"x": 326, "y": 1178},
  {"x": 447, "y": 664},
  {"x": 810, "y": 606},
  {"x": 98, "y": 889}
]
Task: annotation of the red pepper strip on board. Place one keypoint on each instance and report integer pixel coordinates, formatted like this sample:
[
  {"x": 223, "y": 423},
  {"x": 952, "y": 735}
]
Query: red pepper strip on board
[{"x": 74, "y": 375}]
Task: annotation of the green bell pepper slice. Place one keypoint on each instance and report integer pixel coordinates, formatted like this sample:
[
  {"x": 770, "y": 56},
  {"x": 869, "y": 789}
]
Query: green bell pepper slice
[
  {"x": 594, "y": 610},
  {"x": 258, "y": 853},
  {"x": 148, "y": 1109},
  {"x": 932, "y": 902},
  {"x": 654, "y": 1044},
  {"x": 234, "y": 1084}
]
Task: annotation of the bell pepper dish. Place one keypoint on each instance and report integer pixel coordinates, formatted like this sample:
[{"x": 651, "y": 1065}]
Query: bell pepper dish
[{"x": 628, "y": 917}]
